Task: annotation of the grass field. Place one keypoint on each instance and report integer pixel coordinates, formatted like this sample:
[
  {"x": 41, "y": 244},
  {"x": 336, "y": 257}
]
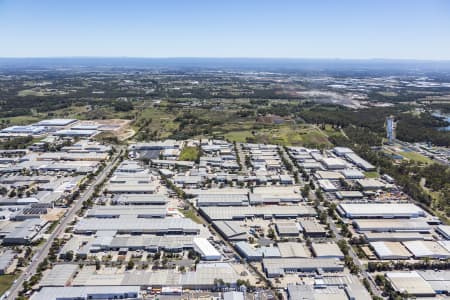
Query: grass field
[
  {"x": 416, "y": 157},
  {"x": 239, "y": 136},
  {"x": 191, "y": 214},
  {"x": 373, "y": 174},
  {"x": 159, "y": 120},
  {"x": 5, "y": 282},
  {"x": 189, "y": 153},
  {"x": 287, "y": 134}
]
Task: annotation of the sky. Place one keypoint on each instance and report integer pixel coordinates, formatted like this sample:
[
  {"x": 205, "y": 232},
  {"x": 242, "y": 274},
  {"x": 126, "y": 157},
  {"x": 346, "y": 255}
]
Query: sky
[{"x": 346, "y": 29}]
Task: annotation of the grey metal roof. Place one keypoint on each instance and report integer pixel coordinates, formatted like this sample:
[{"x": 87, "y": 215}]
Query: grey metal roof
[
  {"x": 133, "y": 224},
  {"x": 217, "y": 213}
]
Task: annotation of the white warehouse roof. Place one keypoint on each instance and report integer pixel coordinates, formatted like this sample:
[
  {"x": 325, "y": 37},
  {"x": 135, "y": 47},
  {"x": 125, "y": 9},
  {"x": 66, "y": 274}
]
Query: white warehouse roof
[{"x": 380, "y": 210}]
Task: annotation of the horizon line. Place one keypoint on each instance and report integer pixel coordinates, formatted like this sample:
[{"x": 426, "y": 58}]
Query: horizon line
[{"x": 227, "y": 57}]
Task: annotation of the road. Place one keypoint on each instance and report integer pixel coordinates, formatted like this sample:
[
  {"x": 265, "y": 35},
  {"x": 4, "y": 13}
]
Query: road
[
  {"x": 241, "y": 155},
  {"x": 42, "y": 252},
  {"x": 352, "y": 254},
  {"x": 338, "y": 237}
]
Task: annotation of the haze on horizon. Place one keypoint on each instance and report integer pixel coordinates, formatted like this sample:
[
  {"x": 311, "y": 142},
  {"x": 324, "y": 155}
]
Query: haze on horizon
[{"x": 348, "y": 29}]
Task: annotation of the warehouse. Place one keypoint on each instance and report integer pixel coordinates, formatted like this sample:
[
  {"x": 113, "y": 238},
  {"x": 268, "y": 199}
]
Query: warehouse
[
  {"x": 390, "y": 250},
  {"x": 352, "y": 174},
  {"x": 444, "y": 230},
  {"x": 275, "y": 267},
  {"x": 130, "y": 166},
  {"x": 312, "y": 292},
  {"x": 351, "y": 195},
  {"x": 395, "y": 236},
  {"x": 342, "y": 151},
  {"x": 22, "y": 130},
  {"x": 312, "y": 228},
  {"x": 370, "y": 184},
  {"x": 152, "y": 243},
  {"x": 153, "y": 211},
  {"x": 59, "y": 275},
  {"x": 430, "y": 249},
  {"x": 222, "y": 200},
  {"x": 311, "y": 165},
  {"x": 358, "y": 161},
  {"x": 231, "y": 230},
  {"x": 438, "y": 280},
  {"x": 125, "y": 188},
  {"x": 266, "y": 212},
  {"x": 332, "y": 163},
  {"x": 293, "y": 249},
  {"x": 379, "y": 210},
  {"x": 204, "y": 277},
  {"x": 24, "y": 232},
  {"x": 157, "y": 145},
  {"x": 330, "y": 175},
  {"x": 327, "y": 250},
  {"x": 326, "y": 185},
  {"x": 131, "y": 224},
  {"x": 411, "y": 283},
  {"x": 206, "y": 250},
  {"x": 252, "y": 253},
  {"x": 275, "y": 194},
  {"x": 6, "y": 260},
  {"x": 75, "y": 133},
  {"x": 55, "y": 122},
  {"x": 172, "y": 163},
  {"x": 87, "y": 292},
  {"x": 140, "y": 199},
  {"x": 288, "y": 229},
  {"x": 392, "y": 225}
]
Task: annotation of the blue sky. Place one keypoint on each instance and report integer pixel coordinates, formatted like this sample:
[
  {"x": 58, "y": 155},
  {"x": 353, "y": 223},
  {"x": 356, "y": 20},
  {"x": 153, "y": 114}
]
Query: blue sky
[{"x": 405, "y": 29}]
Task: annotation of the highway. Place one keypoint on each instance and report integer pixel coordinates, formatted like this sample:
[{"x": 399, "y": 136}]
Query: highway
[{"x": 42, "y": 252}]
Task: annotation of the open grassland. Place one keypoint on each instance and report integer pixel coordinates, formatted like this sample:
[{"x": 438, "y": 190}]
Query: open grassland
[
  {"x": 286, "y": 134},
  {"x": 416, "y": 157},
  {"x": 189, "y": 153},
  {"x": 5, "y": 282}
]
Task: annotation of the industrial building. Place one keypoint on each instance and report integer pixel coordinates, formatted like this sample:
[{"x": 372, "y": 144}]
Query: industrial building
[
  {"x": 109, "y": 212},
  {"x": 266, "y": 212},
  {"x": 327, "y": 250},
  {"x": 399, "y": 236},
  {"x": 293, "y": 249},
  {"x": 326, "y": 185},
  {"x": 370, "y": 184},
  {"x": 275, "y": 194},
  {"x": 206, "y": 250},
  {"x": 379, "y": 210},
  {"x": 390, "y": 250},
  {"x": 231, "y": 230},
  {"x": 312, "y": 228},
  {"x": 444, "y": 230},
  {"x": 359, "y": 162},
  {"x": 55, "y": 122},
  {"x": 275, "y": 267},
  {"x": 251, "y": 253},
  {"x": 6, "y": 260},
  {"x": 411, "y": 283},
  {"x": 222, "y": 200},
  {"x": 430, "y": 249},
  {"x": 288, "y": 229},
  {"x": 332, "y": 163},
  {"x": 349, "y": 195},
  {"x": 392, "y": 225},
  {"x": 87, "y": 292},
  {"x": 59, "y": 275},
  {"x": 132, "y": 224},
  {"x": 140, "y": 199}
]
